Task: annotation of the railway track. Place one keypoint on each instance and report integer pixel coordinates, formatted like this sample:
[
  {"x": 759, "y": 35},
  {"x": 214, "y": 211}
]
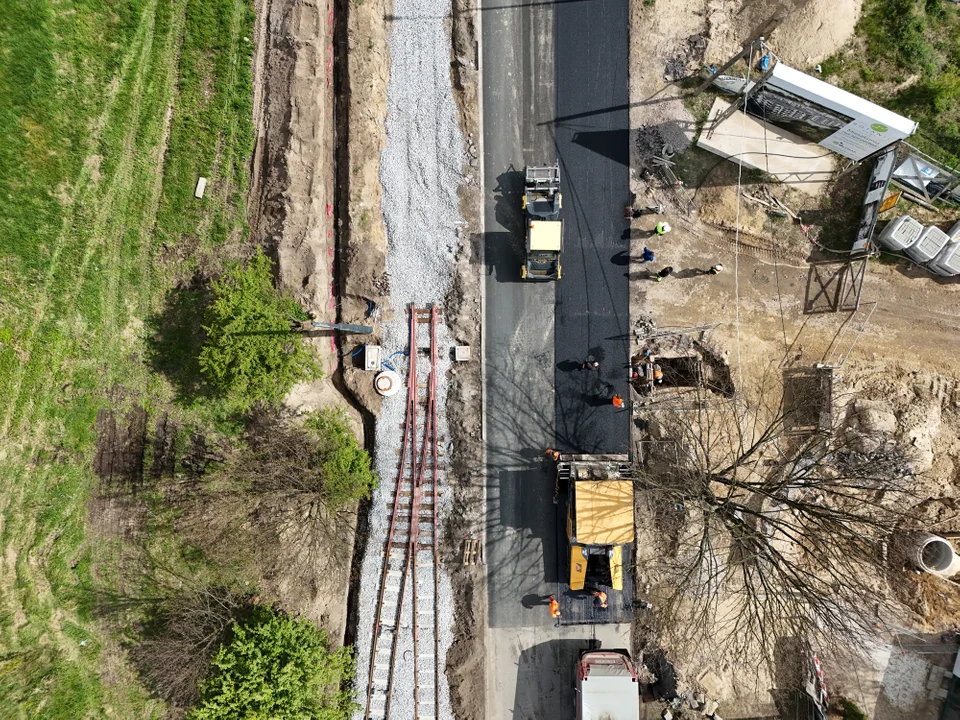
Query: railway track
[{"x": 406, "y": 614}]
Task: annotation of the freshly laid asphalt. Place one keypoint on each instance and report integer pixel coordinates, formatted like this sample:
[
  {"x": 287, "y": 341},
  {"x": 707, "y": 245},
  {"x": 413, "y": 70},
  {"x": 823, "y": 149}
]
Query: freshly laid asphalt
[
  {"x": 592, "y": 301},
  {"x": 555, "y": 86}
]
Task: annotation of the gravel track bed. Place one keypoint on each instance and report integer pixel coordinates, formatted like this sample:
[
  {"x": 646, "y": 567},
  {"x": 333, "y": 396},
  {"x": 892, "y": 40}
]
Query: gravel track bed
[{"x": 420, "y": 172}]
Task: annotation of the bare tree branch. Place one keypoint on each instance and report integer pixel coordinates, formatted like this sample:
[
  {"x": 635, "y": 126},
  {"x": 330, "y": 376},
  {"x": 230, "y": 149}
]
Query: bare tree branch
[{"x": 765, "y": 533}]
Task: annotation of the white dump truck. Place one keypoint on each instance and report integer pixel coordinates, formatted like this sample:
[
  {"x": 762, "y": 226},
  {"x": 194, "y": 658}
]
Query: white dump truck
[{"x": 608, "y": 687}]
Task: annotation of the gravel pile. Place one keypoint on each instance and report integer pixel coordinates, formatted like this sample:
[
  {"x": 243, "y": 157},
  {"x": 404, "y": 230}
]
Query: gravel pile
[
  {"x": 420, "y": 165},
  {"x": 420, "y": 174}
]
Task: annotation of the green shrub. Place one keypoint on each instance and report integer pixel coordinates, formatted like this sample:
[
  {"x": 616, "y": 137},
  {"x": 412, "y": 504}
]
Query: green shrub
[
  {"x": 849, "y": 710},
  {"x": 895, "y": 31},
  {"x": 344, "y": 464},
  {"x": 250, "y": 354},
  {"x": 276, "y": 666},
  {"x": 831, "y": 66},
  {"x": 320, "y": 460},
  {"x": 934, "y": 9}
]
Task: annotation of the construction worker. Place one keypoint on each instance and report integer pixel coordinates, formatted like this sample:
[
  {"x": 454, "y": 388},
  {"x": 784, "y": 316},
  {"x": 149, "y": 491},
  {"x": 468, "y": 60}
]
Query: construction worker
[
  {"x": 617, "y": 401},
  {"x": 555, "y": 610},
  {"x": 657, "y": 374},
  {"x": 591, "y": 363},
  {"x": 552, "y": 454},
  {"x": 715, "y": 269},
  {"x": 647, "y": 256},
  {"x": 662, "y": 228},
  {"x": 668, "y": 270},
  {"x": 602, "y": 597}
]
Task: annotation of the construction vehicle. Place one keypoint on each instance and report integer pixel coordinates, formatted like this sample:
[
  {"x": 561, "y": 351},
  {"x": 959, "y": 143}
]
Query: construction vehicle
[
  {"x": 541, "y": 204},
  {"x": 599, "y": 517},
  {"x": 608, "y": 687}
]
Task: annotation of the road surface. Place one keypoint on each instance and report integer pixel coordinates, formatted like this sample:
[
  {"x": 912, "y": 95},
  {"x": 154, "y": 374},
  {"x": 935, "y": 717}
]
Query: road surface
[{"x": 554, "y": 87}]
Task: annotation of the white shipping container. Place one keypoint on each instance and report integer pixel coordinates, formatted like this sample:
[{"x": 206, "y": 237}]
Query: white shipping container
[
  {"x": 931, "y": 241},
  {"x": 900, "y": 233}
]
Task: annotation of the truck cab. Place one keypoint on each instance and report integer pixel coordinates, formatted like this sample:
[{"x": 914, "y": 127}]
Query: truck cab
[
  {"x": 608, "y": 687},
  {"x": 544, "y": 229}
]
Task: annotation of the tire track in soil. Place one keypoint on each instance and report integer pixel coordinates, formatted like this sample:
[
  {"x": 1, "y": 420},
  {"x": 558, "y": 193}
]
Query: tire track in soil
[
  {"x": 15, "y": 487},
  {"x": 81, "y": 189},
  {"x": 222, "y": 189},
  {"x": 105, "y": 236},
  {"x": 85, "y": 195},
  {"x": 22, "y": 542}
]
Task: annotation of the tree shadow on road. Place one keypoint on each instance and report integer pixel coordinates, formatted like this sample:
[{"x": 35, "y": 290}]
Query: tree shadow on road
[
  {"x": 612, "y": 144},
  {"x": 545, "y": 673}
]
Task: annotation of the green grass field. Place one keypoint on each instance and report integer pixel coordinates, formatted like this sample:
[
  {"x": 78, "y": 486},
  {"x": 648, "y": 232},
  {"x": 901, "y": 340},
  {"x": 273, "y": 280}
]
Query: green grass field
[
  {"x": 907, "y": 58},
  {"x": 111, "y": 111}
]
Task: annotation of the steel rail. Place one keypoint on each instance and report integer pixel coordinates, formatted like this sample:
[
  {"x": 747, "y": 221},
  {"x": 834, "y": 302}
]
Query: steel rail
[
  {"x": 436, "y": 482},
  {"x": 426, "y": 540},
  {"x": 409, "y": 440},
  {"x": 414, "y": 472}
]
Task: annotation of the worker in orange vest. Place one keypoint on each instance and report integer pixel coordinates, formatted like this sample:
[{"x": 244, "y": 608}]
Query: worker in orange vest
[
  {"x": 552, "y": 454},
  {"x": 602, "y": 597},
  {"x": 555, "y": 610},
  {"x": 617, "y": 401}
]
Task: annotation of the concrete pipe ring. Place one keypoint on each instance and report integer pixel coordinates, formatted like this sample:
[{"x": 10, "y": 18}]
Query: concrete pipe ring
[
  {"x": 933, "y": 554},
  {"x": 387, "y": 383}
]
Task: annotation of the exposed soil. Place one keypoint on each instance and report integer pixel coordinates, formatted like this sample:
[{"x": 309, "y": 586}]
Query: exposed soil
[
  {"x": 120, "y": 449},
  {"x": 294, "y": 206},
  {"x": 291, "y": 191},
  {"x": 895, "y": 357},
  {"x": 466, "y": 658},
  {"x": 364, "y": 64},
  {"x": 815, "y": 30},
  {"x": 126, "y": 448},
  {"x": 164, "y": 448}
]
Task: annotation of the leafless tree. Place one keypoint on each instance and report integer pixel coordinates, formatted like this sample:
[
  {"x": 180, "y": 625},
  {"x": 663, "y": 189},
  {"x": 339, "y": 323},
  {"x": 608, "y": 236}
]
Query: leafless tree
[
  {"x": 180, "y": 621},
  {"x": 276, "y": 501},
  {"x": 768, "y": 532}
]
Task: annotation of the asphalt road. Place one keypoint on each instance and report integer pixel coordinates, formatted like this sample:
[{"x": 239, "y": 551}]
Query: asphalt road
[
  {"x": 552, "y": 72},
  {"x": 592, "y": 303}
]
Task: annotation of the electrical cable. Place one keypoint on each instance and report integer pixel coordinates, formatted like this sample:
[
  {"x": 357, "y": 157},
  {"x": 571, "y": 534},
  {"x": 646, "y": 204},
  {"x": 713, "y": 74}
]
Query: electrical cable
[
  {"x": 736, "y": 246},
  {"x": 776, "y": 261},
  {"x": 386, "y": 363}
]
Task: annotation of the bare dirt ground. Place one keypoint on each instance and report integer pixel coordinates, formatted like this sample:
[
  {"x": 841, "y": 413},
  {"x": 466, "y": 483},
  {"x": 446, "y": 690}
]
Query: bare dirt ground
[
  {"x": 361, "y": 103},
  {"x": 896, "y": 351},
  {"x": 292, "y": 201},
  {"x": 466, "y": 657}
]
